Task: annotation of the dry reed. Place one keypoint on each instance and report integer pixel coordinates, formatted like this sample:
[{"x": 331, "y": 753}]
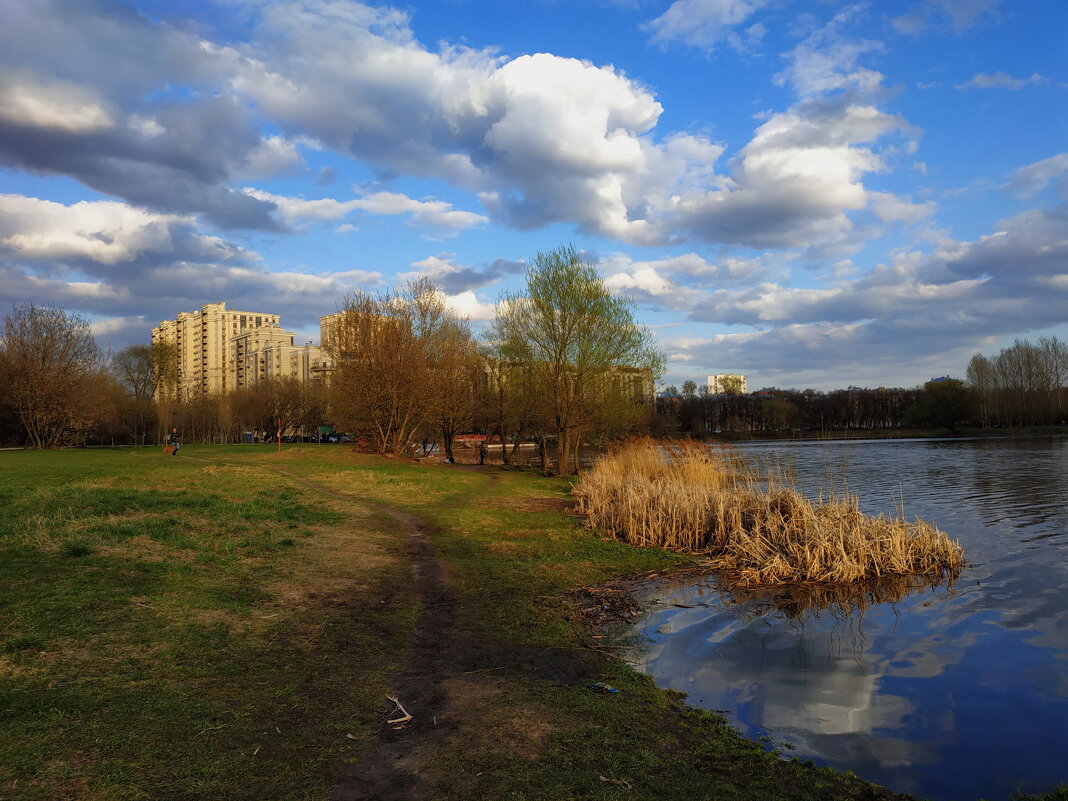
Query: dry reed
[{"x": 701, "y": 499}]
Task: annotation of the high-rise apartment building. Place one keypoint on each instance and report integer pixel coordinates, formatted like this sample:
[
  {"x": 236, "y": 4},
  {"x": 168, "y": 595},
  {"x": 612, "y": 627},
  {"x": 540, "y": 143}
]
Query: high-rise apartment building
[
  {"x": 220, "y": 350},
  {"x": 721, "y": 383},
  {"x": 269, "y": 352}
]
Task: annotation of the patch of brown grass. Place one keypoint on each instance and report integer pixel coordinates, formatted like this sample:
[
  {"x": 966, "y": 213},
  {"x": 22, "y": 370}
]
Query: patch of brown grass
[
  {"x": 700, "y": 499},
  {"x": 494, "y": 723},
  {"x": 335, "y": 563}
]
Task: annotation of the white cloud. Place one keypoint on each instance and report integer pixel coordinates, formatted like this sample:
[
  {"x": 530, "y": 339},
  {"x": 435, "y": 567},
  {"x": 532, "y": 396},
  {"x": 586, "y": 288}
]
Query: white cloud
[
  {"x": 889, "y": 207},
  {"x": 999, "y": 80},
  {"x": 105, "y": 232},
  {"x": 58, "y": 105},
  {"x": 274, "y": 155},
  {"x": 1031, "y": 179},
  {"x": 429, "y": 213},
  {"x": 680, "y": 283},
  {"x": 704, "y": 23},
  {"x": 541, "y": 139},
  {"x": 108, "y": 258},
  {"x": 827, "y": 59},
  {"x": 545, "y": 139},
  {"x": 435, "y": 214},
  {"x": 466, "y": 304}
]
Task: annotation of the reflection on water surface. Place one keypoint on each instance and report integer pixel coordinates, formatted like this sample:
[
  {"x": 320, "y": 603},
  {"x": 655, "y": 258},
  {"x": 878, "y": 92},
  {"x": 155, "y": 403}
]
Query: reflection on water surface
[{"x": 951, "y": 692}]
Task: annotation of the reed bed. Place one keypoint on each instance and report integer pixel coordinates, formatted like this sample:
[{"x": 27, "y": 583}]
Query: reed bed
[{"x": 708, "y": 500}]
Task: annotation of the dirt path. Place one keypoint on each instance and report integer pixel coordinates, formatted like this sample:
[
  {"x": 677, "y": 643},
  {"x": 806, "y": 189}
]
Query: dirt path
[{"x": 394, "y": 768}]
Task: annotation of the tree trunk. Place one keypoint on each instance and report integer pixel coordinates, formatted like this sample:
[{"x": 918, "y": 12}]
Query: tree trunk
[{"x": 561, "y": 451}]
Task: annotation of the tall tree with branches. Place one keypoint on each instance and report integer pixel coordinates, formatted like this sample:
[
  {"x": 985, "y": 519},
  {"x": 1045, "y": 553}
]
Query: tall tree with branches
[
  {"x": 396, "y": 355},
  {"x": 590, "y": 363}
]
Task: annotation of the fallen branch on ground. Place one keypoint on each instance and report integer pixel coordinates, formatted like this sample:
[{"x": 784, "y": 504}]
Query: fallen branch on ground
[{"x": 405, "y": 717}]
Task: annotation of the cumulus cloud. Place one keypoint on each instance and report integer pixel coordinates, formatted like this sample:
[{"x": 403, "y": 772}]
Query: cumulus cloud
[
  {"x": 999, "y": 80},
  {"x": 705, "y": 23},
  {"x": 99, "y": 235},
  {"x": 467, "y": 305},
  {"x": 795, "y": 181},
  {"x": 175, "y": 153},
  {"x": 541, "y": 139},
  {"x": 545, "y": 139},
  {"x": 107, "y": 258}
]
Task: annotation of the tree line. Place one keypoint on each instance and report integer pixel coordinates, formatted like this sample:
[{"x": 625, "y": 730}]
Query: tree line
[
  {"x": 1025, "y": 384},
  {"x": 563, "y": 363},
  {"x": 696, "y": 412}
]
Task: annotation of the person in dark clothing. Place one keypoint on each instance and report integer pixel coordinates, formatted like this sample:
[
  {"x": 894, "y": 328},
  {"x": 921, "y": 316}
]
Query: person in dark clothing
[{"x": 174, "y": 439}]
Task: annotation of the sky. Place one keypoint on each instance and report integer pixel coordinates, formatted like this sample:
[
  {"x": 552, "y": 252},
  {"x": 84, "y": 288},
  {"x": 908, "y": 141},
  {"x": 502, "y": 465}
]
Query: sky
[{"x": 810, "y": 192}]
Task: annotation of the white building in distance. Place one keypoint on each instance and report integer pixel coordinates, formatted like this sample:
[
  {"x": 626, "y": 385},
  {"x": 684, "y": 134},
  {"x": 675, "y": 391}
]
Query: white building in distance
[{"x": 724, "y": 383}]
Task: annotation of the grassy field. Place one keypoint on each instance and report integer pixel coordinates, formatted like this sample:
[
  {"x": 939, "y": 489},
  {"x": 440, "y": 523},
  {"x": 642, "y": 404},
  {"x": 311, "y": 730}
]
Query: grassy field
[{"x": 227, "y": 625}]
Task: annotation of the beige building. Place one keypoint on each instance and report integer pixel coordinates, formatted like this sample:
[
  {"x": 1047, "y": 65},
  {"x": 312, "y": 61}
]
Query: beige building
[
  {"x": 220, "y": 350},
  {"x": 269, "y": 352},
  {"x": 727, "y": 382}
]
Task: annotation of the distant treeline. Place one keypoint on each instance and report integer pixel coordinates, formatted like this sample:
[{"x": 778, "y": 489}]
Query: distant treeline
[
  {"x": 1023, "y": 385},
  {"x": 775, "y": 410}
]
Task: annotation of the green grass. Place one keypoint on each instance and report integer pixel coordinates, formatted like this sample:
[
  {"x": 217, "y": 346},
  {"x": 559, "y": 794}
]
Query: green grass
[
  {"x": 169, "y": 629},
  {"x": 207, "y": 628}
]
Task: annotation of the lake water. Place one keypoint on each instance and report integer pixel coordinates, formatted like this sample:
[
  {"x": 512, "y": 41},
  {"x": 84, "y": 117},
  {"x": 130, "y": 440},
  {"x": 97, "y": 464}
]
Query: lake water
[{"x": 948, "y": 693}]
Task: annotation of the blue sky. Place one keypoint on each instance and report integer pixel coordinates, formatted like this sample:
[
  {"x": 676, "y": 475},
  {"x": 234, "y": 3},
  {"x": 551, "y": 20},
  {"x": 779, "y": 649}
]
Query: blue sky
[{"x": 817, "y": 194}]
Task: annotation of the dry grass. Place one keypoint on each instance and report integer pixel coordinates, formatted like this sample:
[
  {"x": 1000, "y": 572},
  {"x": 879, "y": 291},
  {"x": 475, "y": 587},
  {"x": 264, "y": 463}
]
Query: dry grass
[{"x": 701, "y": 499}]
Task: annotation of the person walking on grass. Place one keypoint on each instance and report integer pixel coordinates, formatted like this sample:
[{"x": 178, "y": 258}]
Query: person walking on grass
[{"x": 174, "y": 439}]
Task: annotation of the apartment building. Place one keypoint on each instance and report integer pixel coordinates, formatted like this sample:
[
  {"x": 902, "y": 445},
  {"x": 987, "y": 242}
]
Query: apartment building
[
  {"x": 222, "y": 350},
  {"x": 269, "y": 352},
  {"x": 721, "y": 383}
]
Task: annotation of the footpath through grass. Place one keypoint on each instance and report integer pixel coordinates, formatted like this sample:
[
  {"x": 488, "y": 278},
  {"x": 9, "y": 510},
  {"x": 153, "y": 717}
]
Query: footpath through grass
[{"x": 208, "y": 628}]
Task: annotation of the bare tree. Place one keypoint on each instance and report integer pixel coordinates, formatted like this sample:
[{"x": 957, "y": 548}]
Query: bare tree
[
  {"x": 1024, "y": 384},
  {"x": 461, "y": 377},
  {"x": 51, "y": 366},
  {"x": 133, "y": 368},
  {"x": 389, "y": 349}
]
